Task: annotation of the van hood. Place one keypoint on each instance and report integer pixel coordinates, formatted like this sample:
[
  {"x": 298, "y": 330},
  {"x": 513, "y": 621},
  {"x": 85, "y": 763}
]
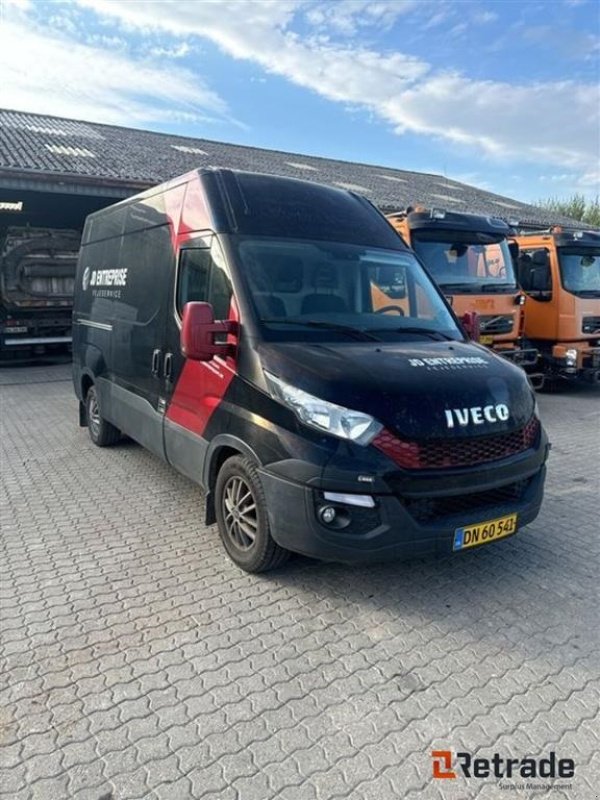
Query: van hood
[{"x": 419, "y": 391}]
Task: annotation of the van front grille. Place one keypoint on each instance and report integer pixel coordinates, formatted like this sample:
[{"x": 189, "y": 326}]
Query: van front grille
[
  {"x": 430, "y": 509},
  {"x": 445, "y": 453}
]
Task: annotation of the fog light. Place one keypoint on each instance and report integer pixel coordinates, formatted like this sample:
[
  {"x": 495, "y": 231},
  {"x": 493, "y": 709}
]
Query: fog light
[
  {"x": 571, "y": 357},
  {"x": 327, "y": 514}
]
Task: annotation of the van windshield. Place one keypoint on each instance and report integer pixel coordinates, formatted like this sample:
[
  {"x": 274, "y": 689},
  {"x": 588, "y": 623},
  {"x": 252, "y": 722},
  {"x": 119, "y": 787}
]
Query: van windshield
[
  {"x": 461, "y": 265},
  {"x": 314, "y": 290},
  {"x": 580, "y": 271}
]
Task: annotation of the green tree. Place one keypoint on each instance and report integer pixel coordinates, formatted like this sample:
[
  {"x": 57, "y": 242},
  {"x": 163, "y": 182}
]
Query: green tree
[{"x": 576, "y": 207}]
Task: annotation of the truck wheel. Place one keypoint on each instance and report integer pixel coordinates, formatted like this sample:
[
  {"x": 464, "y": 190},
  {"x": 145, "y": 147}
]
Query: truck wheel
[
  {"x": 102, "y": 433},
  {"x": 242, "y": 517}
]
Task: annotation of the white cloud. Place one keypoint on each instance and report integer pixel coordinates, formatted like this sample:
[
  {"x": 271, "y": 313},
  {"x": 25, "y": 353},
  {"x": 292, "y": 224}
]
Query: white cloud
[
  {"x": 346, "y": 17},
  {"x": 21, "y": 5},
  {"x": 63, "y": 77},
  {"x": 177, "y": 51},
  {"x": 553, "y": 122},
  {"x": 439, "y": 16},
  {"x": 503, "y": 120},
  {"x": 483, "y": 17},
  {"x": 561, "y": 177},
  {"x": 590, "y": 179}
]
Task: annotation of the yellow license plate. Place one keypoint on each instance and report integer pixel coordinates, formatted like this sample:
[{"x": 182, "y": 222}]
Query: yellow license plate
[
  {"x": 486, "y": 339},
  {"x": 484, "y": 532}
]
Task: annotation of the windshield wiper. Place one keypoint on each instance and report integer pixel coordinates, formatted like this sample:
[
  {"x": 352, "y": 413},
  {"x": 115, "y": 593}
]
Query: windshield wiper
[
  {"x": 508, "y": 287},
  {"x": 432, "y": 333},
  {"x": 355, "y": 333},
  {"x": 460, "y": 287}
]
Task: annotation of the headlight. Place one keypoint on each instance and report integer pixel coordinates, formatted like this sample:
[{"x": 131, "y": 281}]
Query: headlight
[
  {"x": 571, "y": 357},
  {"x": 337, "y": 420}
]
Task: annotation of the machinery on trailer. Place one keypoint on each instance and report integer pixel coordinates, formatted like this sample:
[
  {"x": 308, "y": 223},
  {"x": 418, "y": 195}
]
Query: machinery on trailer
[{"x": 37, "y": 273}]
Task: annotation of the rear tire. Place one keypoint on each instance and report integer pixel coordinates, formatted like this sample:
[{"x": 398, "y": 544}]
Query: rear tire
[
  {"x": 102, "y": 433},
  {"x": 241, "y": 511}
]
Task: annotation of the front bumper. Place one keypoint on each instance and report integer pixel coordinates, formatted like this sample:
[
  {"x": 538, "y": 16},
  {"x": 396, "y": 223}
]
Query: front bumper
[
  {"x": 521, "y": 356},
  {"x": 30, "y": 341},
  {"x": 416, "y": 517},
  {"x": 38, "y": 332},
  {"x": 585, "y": 363}
]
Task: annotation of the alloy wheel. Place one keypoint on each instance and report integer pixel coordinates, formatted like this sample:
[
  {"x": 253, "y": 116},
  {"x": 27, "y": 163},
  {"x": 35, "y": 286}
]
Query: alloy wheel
[
  {"x": 94, "y": 415},
  {"x": 239, "y": 513}
]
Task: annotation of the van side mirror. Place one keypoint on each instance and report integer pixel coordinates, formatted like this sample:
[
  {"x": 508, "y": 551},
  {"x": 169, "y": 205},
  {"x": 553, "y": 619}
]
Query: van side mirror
[
  {"x": 198, "y": 329},
  {"x": 471, "y": 323}
]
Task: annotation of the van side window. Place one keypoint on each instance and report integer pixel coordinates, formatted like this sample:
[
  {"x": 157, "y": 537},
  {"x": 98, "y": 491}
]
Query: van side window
[
  {"x": 194, "y": 270},
  {"x": 202, "y": 277}
]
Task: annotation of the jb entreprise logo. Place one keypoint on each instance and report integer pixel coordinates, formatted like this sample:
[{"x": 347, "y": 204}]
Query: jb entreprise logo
[{"x": 499, "y": 767}]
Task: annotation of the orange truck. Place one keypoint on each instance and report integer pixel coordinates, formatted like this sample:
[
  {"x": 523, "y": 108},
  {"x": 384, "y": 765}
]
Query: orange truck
[
  {"x": 559, "y": 270},
  {"x": 468, "y": 255}
]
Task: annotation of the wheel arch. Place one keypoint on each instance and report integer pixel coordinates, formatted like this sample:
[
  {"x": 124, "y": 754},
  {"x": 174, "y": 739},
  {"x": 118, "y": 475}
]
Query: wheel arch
[{"x": 220, "y": 449}]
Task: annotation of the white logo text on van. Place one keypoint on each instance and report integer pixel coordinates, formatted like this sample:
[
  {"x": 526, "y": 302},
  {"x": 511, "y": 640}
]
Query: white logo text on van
[
  {"x": 478, "y": 415},
  {"x": 107, "y": 277},
  {"x": 448, "y": 361}
]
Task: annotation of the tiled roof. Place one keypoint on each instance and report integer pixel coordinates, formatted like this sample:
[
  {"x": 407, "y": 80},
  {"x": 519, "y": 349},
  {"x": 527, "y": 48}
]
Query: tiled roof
[{"x": 31, "y": 144}]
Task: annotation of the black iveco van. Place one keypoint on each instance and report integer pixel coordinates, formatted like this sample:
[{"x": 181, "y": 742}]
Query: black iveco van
[{"x": 227, "y": 322}]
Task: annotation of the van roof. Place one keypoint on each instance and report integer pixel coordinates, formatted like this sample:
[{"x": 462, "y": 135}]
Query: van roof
[{"x": 256, "y": 204}]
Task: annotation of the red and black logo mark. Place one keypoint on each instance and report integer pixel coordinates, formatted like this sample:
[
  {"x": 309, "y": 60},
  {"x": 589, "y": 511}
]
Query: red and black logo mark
[
  {"x": 442, "y": 764},
  {"x": 499, "y": 767}
]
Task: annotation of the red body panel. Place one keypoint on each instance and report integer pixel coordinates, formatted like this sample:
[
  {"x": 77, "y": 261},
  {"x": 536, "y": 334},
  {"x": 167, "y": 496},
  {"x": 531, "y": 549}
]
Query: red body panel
[
  {"x": 199, "y": 391},
  {"x": 201, "y": 385}
]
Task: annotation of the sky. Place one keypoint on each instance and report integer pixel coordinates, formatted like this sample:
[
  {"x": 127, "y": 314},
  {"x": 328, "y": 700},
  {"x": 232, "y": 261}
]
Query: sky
[{"x": 502, "y": 95}]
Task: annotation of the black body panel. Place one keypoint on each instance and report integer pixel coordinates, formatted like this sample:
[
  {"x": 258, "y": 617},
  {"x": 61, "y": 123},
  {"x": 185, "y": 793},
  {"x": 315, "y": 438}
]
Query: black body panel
[{"x": 407, "y": 387}]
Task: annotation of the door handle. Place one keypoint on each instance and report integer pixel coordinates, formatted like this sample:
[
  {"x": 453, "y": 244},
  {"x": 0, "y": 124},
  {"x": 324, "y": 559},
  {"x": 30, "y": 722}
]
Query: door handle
[
  {"x": 168, "y": 367},
  {"x": 155, "y": 362}
]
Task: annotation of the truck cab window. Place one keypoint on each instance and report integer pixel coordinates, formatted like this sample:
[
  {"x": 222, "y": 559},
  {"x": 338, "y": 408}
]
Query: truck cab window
[
  {"x": 535, "y": 276},
  {"x": 202, "y": 277}
]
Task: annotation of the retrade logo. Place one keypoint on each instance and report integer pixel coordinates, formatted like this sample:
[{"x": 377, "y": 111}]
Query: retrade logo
[
  {"x": 498, "y": 766},
  {"x": 442, "y": 764},
  {"x": 86, "y": 278}
]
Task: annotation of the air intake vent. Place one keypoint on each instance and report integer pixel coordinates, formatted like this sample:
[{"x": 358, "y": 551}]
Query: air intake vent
[
  {"x": 500, "y": 323},
  {"x": 448, "y": 453},
  {"x": 591, "y": 325}
]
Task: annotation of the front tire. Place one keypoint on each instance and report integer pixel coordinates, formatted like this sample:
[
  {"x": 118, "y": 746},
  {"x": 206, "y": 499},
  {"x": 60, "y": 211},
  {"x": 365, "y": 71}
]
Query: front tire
[
  {"x": 102, "y": 433},
  {"x": 242, "y": 518}
]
